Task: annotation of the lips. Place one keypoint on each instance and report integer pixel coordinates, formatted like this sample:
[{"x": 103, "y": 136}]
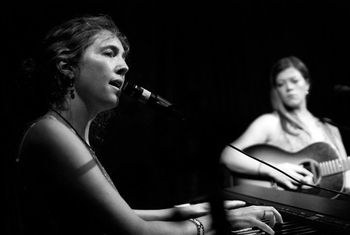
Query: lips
[
  {"x": 116, "y": 83},
  {"x": 291, "y": 96}
]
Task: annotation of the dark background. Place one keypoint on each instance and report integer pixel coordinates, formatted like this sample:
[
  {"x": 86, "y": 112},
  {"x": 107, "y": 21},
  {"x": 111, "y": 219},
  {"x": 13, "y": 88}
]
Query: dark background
[{"x": 211, "y": 59}]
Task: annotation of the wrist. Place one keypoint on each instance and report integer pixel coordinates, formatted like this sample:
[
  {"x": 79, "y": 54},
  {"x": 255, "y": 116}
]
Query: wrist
[
  {"x": 259, "y": 169},
  {"x": 199, "y": 226},
  {"x": 264, "y": 171}
]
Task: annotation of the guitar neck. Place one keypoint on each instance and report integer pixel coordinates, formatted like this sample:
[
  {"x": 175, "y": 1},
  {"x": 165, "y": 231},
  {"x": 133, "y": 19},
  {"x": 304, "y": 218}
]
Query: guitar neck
[{"x": 334, "y": 166}]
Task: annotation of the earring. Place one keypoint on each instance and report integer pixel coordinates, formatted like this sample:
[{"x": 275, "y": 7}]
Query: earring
[
  {"x": 72, "y": 95},
  {"x": 71, "y": 90}
]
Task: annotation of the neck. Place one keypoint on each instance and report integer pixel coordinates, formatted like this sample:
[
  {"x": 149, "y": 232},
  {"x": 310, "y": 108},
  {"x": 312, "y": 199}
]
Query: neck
[
  {"x": 300, "y": 111},
  {"x": 79, "y": 119}
]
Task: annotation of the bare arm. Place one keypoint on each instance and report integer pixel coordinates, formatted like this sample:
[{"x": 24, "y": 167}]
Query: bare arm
[
  {"x": 256, "y": 133},
  {"x": 262, "y": 130},
  {"x": 67, "y": 155},
  {"x": 181, "y": 212},
  {"x": 238, "y": 215}
]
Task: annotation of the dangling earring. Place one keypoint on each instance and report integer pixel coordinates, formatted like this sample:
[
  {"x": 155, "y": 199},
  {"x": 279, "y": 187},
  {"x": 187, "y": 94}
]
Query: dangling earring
[{"x": 71, "y": 90}]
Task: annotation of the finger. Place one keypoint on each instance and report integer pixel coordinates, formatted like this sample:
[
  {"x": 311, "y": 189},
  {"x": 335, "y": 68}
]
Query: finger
[
  {"x": 296, "y": 181},
  {"x": 289, "y": 184},
  {"x": 275, "y": 213},
  {"x": 203, "y": 205},
  {"x": 231, "y": 204},
  {"x": 278, "y": 216},
  {"x": 263, "y": 226},
  {"x": 269, "y": 218},
  {"x": 306, "y": 180},
  {"x": 303, "y": 179},
  {"x": 310, "y": 180},
  {"x": 304, "y": 171}
]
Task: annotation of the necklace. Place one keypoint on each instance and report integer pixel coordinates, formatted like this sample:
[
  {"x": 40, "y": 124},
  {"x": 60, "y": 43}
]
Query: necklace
[{"x": 104, "y": 172}]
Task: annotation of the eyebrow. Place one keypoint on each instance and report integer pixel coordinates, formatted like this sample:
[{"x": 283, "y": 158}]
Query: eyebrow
[{"x": 114, "y": 48}]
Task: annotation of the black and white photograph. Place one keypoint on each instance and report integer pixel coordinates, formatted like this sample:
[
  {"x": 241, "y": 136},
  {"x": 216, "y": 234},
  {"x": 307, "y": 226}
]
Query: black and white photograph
[{"x": 175, "y": 117}]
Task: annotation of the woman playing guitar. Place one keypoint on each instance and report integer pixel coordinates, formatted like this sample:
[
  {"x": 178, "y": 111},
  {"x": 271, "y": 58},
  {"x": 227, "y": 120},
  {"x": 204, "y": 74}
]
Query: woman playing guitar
[{"x": 291, "y": 127}]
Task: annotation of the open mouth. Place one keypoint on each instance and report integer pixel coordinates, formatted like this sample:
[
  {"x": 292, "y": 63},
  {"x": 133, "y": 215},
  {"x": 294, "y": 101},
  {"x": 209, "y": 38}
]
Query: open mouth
[{"x": 116, "y": 83}]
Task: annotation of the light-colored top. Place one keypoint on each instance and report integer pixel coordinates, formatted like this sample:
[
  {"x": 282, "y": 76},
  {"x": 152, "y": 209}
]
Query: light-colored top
[{"x": 267, "y": 129}]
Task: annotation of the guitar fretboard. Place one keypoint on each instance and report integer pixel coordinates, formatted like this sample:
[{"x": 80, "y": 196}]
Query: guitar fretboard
[{"x": 334, "y": 166}]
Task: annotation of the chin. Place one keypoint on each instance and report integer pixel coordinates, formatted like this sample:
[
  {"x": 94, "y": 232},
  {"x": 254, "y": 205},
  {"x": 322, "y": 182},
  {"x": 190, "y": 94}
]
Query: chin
[
  {"x": 114, "y": 104},
  {"x": 292, "y": 105},
  {"x": 111, "y": 104}
]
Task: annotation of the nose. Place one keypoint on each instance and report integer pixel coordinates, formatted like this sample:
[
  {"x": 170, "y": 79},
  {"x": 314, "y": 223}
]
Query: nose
[
  {"x": 122, "y": 69},
  {"x": 289, "y": 86}
]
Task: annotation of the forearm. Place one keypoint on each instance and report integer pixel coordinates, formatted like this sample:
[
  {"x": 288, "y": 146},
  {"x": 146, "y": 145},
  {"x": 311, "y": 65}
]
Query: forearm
[
  {"x": 238, "y": 162},
  {"x": 176, "y": 213},
  {"x": 184, "y": 227},
  {"x": 153, "y": 215}
]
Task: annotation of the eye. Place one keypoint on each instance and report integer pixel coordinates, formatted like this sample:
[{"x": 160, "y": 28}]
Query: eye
[
  {"x": 295, "y": 80},
  {"x": 109, "y": 52},
  {"x": 279, "y": 84}
]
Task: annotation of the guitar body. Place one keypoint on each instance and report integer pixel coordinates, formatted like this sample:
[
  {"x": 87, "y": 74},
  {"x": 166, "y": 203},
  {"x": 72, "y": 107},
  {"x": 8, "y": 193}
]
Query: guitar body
[{"x": 310, "y": 157}]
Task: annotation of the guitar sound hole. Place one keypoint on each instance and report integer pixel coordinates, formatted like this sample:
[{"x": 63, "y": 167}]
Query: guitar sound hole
[{"x": 314, "y": 168}]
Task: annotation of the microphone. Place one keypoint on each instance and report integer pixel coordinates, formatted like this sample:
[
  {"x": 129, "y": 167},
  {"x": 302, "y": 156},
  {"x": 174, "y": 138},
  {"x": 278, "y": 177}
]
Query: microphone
[
  {"x": 149, "y": 98},
  {"x": 339, "y": 88}
]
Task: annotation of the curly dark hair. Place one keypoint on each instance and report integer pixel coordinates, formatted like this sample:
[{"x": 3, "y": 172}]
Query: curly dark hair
[{"x": 67, "y": 42}]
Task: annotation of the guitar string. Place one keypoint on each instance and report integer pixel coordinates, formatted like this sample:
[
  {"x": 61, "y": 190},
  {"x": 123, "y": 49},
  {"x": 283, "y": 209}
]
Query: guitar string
[{"x": 302, "y": 183}]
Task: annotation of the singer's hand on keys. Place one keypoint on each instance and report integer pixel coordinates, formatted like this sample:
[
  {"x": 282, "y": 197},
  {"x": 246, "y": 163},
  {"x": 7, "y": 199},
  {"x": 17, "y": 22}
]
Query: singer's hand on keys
[
  {"x": 262, "y": 217},
  {"x": 296, "y": 171}
]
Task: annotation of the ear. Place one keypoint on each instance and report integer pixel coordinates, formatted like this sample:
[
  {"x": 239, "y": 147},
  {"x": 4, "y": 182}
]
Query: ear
[
  {"x": 307, "y": 86},
  {"x": 65, "y": 69}
]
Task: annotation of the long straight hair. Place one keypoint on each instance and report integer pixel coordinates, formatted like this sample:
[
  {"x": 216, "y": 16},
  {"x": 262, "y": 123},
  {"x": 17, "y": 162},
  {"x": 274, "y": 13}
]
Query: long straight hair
[{"x": 286, "y": 116}]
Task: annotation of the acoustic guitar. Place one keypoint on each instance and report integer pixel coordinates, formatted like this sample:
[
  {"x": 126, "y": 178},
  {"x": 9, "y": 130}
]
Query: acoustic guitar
[{"x": 319, "y": 158}]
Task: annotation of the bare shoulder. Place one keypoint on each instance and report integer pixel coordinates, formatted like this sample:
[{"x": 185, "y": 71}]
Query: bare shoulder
[
  {"x": 265, "y": 126},
  {"x": 259, "y": 131},
  {"x": 266, "y": 121},
  {"x": 46, "y": 129},
  {"x": 56, "y": 141}
]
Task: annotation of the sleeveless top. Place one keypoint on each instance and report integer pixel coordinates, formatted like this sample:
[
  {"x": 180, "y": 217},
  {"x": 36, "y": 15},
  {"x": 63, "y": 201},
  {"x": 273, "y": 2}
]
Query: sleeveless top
[
  {"x": 47, "y": 206},
  {"x": 301, "y": 139},
  {"x": 294, "y": 143}
]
